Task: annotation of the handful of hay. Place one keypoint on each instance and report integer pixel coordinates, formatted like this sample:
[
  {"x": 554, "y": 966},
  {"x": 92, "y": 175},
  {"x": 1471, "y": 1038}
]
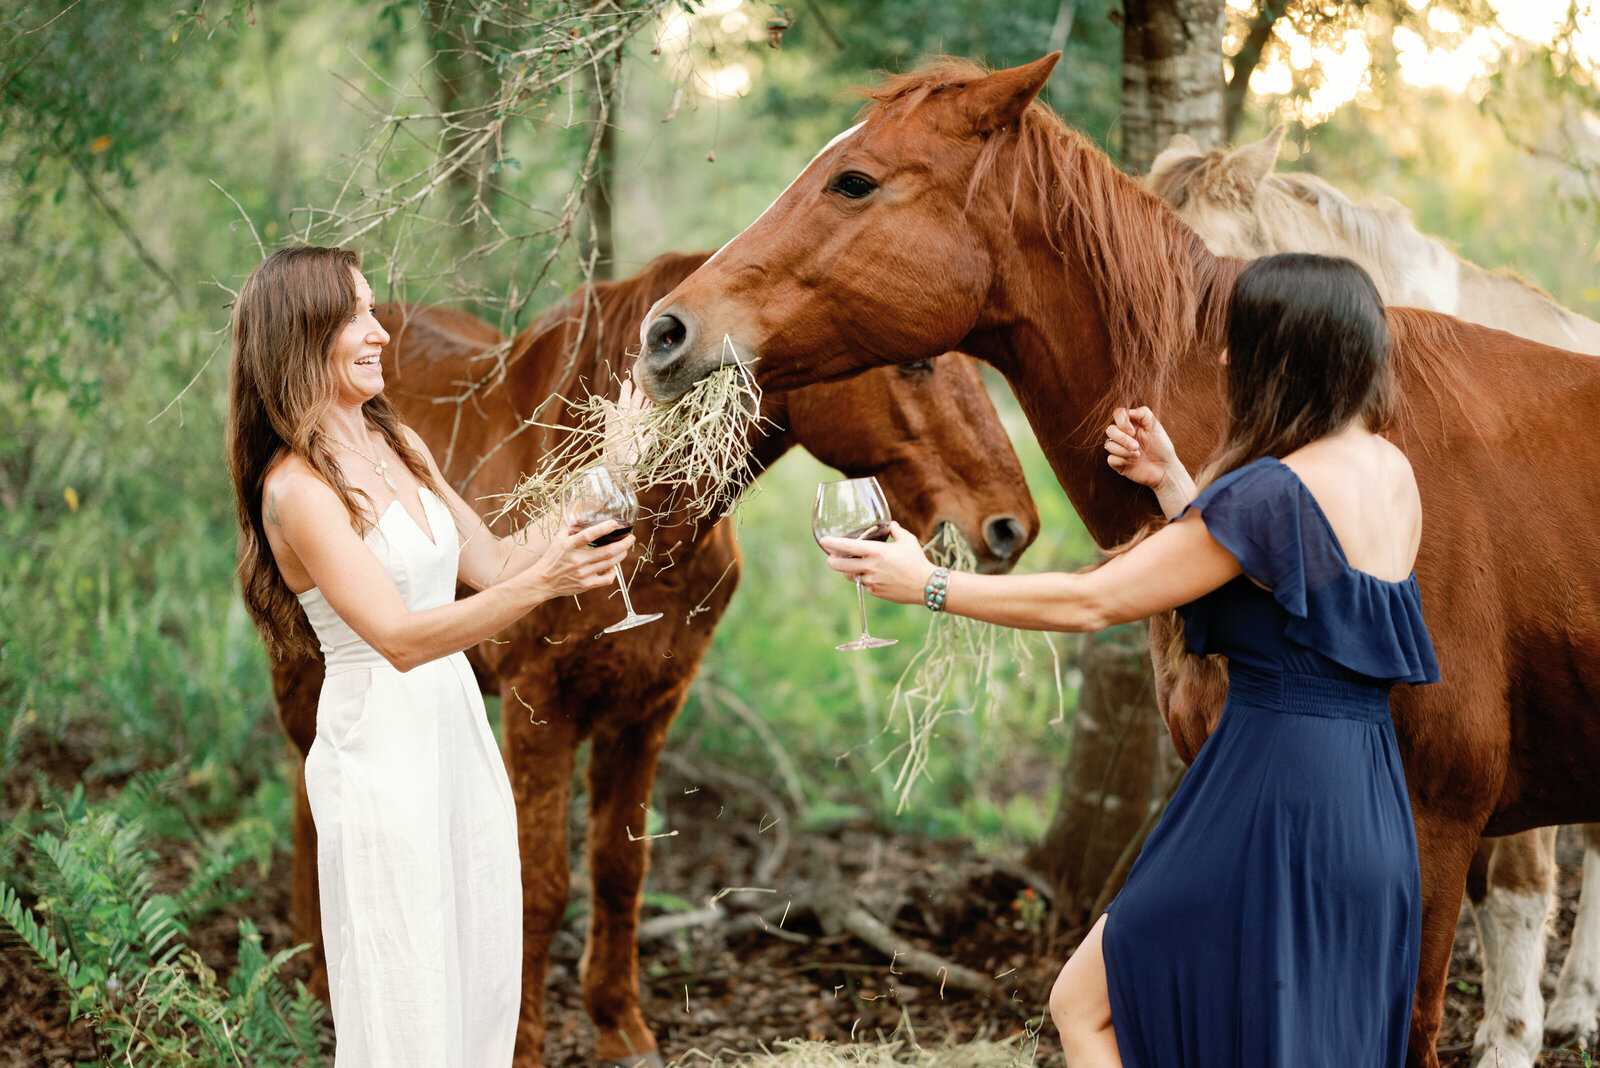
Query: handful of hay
[
  {"x": 697, "y": 446},
  {"x": 954, "y": 673}
]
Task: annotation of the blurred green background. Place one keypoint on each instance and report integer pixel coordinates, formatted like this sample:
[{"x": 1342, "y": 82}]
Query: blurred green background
[{"x": 123, "y": 644}]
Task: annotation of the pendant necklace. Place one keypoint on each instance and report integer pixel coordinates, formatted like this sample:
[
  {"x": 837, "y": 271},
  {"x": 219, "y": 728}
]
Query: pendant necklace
[{"x": 379, "y": 467}]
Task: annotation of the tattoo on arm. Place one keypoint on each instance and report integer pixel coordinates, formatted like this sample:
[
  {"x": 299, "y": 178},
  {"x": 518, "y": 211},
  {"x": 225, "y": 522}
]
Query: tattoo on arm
[{"x": 270, "y": 514}]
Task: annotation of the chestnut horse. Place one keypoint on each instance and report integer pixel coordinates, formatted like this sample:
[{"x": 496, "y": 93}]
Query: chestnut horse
[
  {"x": 1239, "y": 206},
  {"x": 927, "y": 431},
  {"x": 961, "y": 214}
]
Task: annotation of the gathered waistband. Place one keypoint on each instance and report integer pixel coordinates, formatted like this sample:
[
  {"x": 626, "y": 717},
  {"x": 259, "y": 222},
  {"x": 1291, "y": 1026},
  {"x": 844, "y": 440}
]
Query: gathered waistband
[
  {"x": 351, "y": 657},
  {"x": 1309, "y": 695}
]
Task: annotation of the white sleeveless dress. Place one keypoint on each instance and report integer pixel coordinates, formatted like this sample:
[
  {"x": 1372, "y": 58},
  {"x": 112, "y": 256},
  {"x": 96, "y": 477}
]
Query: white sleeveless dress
[{"x": 416, "y": 834}]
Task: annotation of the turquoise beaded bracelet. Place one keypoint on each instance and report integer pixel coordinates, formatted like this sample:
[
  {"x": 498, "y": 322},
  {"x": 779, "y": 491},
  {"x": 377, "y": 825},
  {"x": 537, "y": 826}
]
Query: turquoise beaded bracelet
[{"x": 933, "y": 593}]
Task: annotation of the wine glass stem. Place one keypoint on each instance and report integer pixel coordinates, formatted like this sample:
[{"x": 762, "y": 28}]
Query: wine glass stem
[
  {"x": 861, "y": 599},
  {"x": 622, "y": 584}
]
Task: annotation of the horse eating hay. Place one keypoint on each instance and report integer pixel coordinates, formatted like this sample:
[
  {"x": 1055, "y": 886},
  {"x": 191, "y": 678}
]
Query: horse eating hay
[
  {"x": 1239, "y": 206},
  {"x": 928, "y": 432},
  {"x": 963, "y": 215}
]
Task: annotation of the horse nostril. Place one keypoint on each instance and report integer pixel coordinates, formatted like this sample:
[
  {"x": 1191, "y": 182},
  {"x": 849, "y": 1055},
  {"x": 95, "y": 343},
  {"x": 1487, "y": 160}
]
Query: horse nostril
[
  {"x": 1004, "y": 535},
  {"x": 665, "y": 338}
]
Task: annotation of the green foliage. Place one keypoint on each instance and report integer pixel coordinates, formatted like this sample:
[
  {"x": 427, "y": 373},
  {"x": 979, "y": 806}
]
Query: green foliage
[
  {"x": 99, "y": 925},
  {"x": 100, "y": 85}
]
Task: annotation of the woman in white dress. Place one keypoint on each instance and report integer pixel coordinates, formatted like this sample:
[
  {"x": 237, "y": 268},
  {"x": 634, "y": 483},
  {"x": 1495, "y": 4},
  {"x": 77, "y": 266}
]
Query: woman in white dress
[{"x": 350, "y": 540}]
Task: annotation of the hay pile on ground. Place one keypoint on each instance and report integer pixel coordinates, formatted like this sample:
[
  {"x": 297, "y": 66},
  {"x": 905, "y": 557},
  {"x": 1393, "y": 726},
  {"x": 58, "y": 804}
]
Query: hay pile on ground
[{"x": 797, "y": 1054}]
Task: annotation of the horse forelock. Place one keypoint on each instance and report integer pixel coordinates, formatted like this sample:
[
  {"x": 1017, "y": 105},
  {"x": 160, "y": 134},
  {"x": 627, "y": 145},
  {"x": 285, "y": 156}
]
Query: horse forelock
[{"x": 1171, "y": 183}]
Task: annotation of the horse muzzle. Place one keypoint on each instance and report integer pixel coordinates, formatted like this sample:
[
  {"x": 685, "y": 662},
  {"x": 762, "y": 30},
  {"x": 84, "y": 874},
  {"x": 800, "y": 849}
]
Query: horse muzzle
[{"x": 671, "y": 360}]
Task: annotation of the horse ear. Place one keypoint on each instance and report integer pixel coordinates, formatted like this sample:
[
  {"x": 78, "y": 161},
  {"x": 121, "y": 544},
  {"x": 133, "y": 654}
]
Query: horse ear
[
  {"x": 1181, "y": 147},
  {"x": 1249, "y": 166},
  {"x": 1001, "y": 98}
]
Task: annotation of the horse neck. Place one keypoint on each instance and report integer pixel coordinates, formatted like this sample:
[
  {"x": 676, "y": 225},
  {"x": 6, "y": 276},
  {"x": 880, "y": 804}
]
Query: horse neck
[{"x": 1055, "y": 351}]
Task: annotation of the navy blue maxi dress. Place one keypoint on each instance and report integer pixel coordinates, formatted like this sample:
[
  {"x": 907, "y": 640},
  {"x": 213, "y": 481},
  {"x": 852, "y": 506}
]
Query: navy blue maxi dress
[{"x": 1274, "y": 916}]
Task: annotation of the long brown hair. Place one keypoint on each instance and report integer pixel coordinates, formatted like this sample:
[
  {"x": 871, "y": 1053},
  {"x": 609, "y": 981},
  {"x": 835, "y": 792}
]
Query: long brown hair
[
  {"x": 1308, "y": 351},
  {"x": 288, "y": 315}
]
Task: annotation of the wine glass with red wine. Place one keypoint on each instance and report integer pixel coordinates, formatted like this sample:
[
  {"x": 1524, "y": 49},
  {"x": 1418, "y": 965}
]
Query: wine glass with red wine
[
  {"x": 853, "y": 508},
  {"x": 602, "y": 493}
]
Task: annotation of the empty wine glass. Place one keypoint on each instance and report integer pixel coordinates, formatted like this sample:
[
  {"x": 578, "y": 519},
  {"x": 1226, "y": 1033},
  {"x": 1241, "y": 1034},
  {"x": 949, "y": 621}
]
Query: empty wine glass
[
  {"x": 853, "y": 508},
  {"x": 602, "y": 493}
]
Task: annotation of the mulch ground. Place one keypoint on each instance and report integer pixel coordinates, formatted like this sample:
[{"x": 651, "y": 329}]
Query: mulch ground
[{"x": 706, "y": 990}]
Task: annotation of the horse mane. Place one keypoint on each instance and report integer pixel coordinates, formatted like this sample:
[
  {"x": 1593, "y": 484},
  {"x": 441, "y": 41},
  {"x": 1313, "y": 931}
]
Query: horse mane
[
  {"x": 1157, "y": 287},
  {"x": 1427, "y": 352}
]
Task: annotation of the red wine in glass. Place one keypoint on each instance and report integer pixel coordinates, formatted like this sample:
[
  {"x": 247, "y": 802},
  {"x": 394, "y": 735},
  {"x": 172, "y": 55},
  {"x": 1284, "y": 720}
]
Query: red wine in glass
[
  {"x": 853, "y": 508},
  {"x": 602, "y": 493},
  {"x": 605, "y": 539}
]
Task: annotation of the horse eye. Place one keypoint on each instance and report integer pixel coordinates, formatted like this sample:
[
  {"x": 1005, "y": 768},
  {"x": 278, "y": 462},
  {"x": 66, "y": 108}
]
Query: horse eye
[
  {"x": 921, "y": 367},
  {"x": 854, "y": 186}
]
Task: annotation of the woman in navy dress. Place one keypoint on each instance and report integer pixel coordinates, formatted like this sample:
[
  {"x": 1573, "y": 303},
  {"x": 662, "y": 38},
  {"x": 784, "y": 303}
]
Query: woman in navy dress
[{"x": 1274, "y": 916}]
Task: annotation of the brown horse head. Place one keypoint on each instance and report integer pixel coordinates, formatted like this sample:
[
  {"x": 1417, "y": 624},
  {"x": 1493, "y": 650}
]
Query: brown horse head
[
  {"x": 930, "y": 433},
  {"x": 890, "y": 220}
]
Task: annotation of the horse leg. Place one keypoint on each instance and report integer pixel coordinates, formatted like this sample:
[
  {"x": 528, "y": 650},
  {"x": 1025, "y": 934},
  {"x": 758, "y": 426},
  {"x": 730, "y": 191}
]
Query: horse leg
[
  {"x": 296, "y": 685},
  {"x": 1511, "y": 919},
  {"x": 1572, "y": 1014},
  {"x": 1445, "y": 848},
  {"x": 539, "y": 760},
  {"x": 622, "y": 772}
]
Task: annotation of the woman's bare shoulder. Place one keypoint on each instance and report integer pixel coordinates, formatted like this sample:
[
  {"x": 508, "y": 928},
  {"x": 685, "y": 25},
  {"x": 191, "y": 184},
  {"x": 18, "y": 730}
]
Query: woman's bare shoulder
[
  {"x": 1360, "y": 460},
  {"x": 292, "y": 479},
  {"x": 1365, "y": 487}
]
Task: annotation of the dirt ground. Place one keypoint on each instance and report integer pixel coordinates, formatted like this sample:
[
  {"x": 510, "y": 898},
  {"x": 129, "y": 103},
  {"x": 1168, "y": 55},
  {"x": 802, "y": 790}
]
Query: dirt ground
[{"x": 708, "y": 990}]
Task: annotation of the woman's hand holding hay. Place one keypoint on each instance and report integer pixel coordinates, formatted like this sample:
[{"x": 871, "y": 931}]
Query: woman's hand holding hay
[{"x": 629, "y": 429}]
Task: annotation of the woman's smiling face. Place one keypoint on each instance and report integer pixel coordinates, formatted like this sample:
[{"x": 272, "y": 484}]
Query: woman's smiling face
[{"x": 357, "y": 371}]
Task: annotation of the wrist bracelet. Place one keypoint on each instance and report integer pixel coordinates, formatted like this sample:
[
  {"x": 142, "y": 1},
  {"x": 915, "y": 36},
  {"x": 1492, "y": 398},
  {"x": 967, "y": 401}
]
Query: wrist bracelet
[{"x": 933, "y": 593}]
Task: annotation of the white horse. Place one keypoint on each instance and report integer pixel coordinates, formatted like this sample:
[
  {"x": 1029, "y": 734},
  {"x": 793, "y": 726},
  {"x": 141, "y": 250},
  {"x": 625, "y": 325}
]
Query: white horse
[{"x": 1240, "y": 207}]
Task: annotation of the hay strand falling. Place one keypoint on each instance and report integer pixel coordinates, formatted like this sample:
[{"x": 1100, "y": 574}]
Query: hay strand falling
[{"x": 955, "y": 671}]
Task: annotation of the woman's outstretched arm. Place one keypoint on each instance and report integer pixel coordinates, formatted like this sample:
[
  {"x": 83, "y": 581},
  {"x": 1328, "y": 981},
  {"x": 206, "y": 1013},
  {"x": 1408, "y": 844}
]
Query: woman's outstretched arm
[
  {"x": 1171, "y": 567},
  {"x": 315, "y": 526}
]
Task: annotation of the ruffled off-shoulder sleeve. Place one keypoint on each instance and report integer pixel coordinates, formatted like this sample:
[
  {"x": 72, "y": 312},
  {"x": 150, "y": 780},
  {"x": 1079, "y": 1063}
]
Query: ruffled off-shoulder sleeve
[{"x": 1267, "y": 519}]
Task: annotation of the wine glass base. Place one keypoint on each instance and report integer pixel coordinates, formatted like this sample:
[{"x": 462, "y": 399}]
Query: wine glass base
[
  {"x": 629, "y": 622},
  {"x": 866, "y": 641}
]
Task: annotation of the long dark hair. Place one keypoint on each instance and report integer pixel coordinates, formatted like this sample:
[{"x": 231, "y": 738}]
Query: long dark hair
[
  {"x": 288, "y": 315},
  {"x": 1308, "y": 351}
]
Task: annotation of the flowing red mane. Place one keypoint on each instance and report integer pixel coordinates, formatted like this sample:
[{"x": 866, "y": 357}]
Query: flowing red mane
[{"x": 1151, "y": 273}]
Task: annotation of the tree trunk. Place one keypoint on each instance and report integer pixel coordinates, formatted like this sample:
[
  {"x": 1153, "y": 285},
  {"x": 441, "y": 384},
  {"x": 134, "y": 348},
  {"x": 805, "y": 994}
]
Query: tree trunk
[
  {"x": 1244, "y": 63},
  {"x": 597, "y": 239},
  {"x": 1171, "y": 76},
  {"x": 1116, "y": 773}
]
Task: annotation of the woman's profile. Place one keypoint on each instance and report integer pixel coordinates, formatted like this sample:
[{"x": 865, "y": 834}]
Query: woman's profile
[
  {"x": 1273, "y": 917},
  {"x": 351, "y": 541}
]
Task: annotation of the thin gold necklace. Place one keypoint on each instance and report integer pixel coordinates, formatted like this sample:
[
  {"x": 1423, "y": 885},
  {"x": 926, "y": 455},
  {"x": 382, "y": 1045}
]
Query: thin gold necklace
[{"x": 379, "y": 467}]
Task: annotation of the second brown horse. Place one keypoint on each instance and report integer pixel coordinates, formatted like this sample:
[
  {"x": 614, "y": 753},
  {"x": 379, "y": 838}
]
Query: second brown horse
[{"x": 928, "y": 431}]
